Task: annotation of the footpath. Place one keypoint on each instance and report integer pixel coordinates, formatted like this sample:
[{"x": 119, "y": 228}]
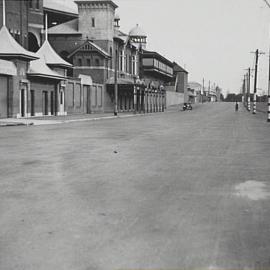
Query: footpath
[{"x": 55, "y": 120}]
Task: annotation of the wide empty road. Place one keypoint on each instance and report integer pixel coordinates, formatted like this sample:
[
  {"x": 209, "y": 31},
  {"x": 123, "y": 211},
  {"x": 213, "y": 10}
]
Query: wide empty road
[{"x": 180, "y": 190}]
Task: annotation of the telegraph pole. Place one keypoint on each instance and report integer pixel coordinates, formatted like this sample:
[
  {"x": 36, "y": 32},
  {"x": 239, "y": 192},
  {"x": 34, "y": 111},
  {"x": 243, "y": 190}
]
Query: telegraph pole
[
  {"x": 268, "y": 97},
  {"x": 116, "y": 85},
  {"x": 202, "y": 90},
  {"x": 248, "y": 90},
  {"x": 244, "y": 91},
  {"x": 209, "y": 88},
  {"x": 255, "y": 82}
]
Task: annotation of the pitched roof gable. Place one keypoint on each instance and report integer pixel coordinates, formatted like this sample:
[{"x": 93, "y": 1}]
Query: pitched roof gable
[
  {"x": 38, "y": 68},
  {"x": 90, "y": 46},
  {"x": 51, "y": 57}
]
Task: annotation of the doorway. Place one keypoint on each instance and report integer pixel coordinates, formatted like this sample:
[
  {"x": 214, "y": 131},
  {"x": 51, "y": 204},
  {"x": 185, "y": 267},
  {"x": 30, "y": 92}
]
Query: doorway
[
  {"x": 23, "y": 102},
  {"x": 45, "y": 103},
  {"x": 32, "y": 97},
  {"x": 52, "y": 103}
]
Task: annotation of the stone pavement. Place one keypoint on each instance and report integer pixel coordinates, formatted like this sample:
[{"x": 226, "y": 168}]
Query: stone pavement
[{"x": 55, "y": 120}]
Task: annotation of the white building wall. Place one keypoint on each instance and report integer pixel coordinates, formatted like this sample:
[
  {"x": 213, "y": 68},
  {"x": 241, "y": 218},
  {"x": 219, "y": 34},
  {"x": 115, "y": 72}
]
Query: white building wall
[{"x": 174, "y": 98}]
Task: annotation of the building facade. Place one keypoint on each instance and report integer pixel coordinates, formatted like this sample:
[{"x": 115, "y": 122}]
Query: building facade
[{"x": 80, "y": 62}]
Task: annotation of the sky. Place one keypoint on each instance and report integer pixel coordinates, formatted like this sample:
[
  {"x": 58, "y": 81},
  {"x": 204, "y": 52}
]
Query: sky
[{"x": 212, "y": 39}]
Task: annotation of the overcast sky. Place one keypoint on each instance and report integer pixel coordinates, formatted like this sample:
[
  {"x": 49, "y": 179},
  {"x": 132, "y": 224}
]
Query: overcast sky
[{"x": 211, "y": 38}]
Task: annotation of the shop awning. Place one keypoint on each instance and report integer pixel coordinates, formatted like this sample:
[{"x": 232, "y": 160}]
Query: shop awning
[{"x": 7, "y": 68}]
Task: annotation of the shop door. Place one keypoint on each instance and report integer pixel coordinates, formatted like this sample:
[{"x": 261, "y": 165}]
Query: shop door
[{"x": 45, "y": 102}]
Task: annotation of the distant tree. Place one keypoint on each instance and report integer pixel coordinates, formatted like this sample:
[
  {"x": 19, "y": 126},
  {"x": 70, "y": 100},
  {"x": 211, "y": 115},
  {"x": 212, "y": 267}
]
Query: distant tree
[
  {"x": 231, "y": 97},
  {"x": 239, "y": 97}
]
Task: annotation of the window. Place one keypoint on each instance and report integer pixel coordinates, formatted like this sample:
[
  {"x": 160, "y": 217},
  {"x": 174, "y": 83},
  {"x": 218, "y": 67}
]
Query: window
[
  {"x": 133, "y": 65},
  {"x": 121, "y": 61},
  {"x": 88, "y": 62},
  {"x": 79, "y": 62},
  {"x": 37, "y": 4},
  {"x": 126, "y": 64},
  {"x": 93, "y": 22},
  {"x": 130, "y": 64},
  {"x": 111, "y": 60},
  {"x": 97, "y": 62},
  {"x": 31, "y": 3}
]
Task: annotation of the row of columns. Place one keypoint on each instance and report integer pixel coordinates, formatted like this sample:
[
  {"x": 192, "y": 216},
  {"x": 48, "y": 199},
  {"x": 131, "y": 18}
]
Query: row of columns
[{"x": 149, "y": 100}]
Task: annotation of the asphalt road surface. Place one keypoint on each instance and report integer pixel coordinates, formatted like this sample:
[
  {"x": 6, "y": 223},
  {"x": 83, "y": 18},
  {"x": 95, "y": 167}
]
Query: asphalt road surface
[{"x": 180, "y": 190}]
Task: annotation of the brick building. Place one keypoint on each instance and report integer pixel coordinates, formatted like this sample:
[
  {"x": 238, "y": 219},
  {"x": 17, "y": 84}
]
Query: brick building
[{"x": 85, "y": 54}]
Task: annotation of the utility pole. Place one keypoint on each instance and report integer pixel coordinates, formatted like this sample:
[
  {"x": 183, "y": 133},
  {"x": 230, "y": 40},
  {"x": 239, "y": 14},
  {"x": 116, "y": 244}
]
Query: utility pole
[
  {"x": 209, "y": 86},
  {"x": 203, "y": 90},
  {"x": 255, "y": 82},
  {"x": 268, "y": 97},
  {"x": 248, "y": 90},
  {"x": 244, "y": 90},
  {"x": 116, "y": 85}
]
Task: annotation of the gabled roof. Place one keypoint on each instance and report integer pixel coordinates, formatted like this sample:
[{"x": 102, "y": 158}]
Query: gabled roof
[
  {"x": 10, "y": 48},
  {"x": 38, "y": 68},
  {"x": 91, "y": 44},
  {"x": 67, "y": 28},
  {"x": 120, "y": 35},
  {"x": 178, "y": 68},
  {"x": 51, "y": 57}
]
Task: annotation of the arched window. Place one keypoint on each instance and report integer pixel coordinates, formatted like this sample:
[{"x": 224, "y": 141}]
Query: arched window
[{"x": 32, "y": 42}]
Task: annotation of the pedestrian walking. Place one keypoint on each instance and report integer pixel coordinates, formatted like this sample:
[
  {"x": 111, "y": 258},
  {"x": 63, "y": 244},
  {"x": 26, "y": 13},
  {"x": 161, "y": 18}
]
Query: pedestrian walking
[{"x": 236, "y": 106}]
